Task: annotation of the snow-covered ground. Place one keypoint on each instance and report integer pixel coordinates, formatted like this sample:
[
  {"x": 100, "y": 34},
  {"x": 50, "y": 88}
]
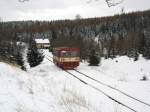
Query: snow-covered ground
[{"x": 46, "y": 88}]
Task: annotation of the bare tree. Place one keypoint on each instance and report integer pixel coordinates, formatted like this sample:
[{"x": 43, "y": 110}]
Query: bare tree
[
  {"x": 1, "y": 19},
  {"x": 122, "y": 10},
  {"x": 110, "y": 3},
  {"x": 78, "y": 16}
]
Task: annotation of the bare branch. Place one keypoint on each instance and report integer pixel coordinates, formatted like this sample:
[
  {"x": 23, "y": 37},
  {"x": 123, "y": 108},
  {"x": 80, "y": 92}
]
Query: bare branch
[
  {"x": 111, "y": 3},
  {"x": 23, "y": 0}
]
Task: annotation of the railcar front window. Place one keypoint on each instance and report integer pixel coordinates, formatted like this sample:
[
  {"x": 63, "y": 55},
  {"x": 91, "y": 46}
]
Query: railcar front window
[
  {"x": 64, "y": 54},
  {"x": 69, "y": 53},
  {"x": 74, "y": 53}
]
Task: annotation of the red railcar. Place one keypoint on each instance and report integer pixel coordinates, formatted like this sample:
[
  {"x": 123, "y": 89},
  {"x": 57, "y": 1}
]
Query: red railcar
[{"x": 66, "y": 57}]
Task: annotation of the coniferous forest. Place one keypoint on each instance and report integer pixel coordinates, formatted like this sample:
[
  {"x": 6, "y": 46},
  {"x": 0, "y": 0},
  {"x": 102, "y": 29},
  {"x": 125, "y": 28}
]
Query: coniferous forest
[{"x": 122, "y": 34}]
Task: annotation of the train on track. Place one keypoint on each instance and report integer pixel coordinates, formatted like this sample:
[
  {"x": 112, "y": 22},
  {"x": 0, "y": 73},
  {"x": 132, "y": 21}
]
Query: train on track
[{"x": 66, "y": 57}]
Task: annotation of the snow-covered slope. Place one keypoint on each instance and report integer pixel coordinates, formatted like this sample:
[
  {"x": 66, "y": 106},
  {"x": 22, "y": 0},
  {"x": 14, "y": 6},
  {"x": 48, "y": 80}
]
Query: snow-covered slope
[{"x": 47, "y": 88}]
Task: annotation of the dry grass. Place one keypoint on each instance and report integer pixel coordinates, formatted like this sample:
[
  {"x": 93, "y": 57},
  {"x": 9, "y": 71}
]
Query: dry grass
[{"x": 73, "y": 101}]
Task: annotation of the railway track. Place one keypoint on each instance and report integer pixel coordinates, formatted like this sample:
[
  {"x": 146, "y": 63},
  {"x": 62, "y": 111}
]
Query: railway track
[
  {"x": 114, "y": 88},
  {"x": 101, "y": 87}
]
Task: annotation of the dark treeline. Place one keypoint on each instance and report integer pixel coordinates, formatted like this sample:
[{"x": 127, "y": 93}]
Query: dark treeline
[{"x": 124, "y": 34}]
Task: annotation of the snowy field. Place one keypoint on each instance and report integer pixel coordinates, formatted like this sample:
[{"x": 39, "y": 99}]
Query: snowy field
[{"x": 47, "y": 88}]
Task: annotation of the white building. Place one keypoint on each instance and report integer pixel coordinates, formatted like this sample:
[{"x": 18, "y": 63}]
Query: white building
[{"x": 42, "y": 43}]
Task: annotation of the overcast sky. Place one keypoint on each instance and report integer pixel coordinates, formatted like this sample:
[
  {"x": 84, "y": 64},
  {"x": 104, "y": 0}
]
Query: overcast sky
[{"x": 12, "y": 10}]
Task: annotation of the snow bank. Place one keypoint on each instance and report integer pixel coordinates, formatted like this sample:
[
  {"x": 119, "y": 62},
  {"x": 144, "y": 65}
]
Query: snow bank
[
  {"x": 46, "y": 88},
  {"x": 126, "y": 69}
]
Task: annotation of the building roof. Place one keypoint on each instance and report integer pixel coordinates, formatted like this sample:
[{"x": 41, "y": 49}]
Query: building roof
[{"x": 42, "y": 41}]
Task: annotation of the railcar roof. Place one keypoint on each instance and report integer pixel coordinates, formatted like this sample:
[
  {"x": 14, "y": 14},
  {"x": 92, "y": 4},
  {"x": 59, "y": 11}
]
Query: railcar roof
[{"x": 67, "y": 49}]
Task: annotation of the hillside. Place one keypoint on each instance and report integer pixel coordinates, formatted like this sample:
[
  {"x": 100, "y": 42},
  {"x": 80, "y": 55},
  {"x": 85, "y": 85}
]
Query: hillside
[{"x": 124, "y": 34}]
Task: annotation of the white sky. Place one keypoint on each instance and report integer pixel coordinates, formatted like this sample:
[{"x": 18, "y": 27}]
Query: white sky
[{"x": 12, "y": 10}]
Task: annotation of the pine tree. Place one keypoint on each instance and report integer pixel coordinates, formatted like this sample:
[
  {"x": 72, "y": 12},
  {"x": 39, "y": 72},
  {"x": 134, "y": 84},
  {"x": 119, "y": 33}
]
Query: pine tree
[
  {"x": 20, "y": 61},
  {"x": 93, "y": 59},
  {"x": 35, "y": 57},
  {"x": 136, "y": 55}
]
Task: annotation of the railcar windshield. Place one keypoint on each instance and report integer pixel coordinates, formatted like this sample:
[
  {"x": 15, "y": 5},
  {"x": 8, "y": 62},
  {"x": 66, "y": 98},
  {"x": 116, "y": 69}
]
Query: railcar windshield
[{"x": 69, "y": 54}]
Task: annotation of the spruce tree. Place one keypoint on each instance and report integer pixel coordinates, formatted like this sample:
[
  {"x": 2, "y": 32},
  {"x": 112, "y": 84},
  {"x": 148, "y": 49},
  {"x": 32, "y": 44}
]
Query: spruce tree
[
  {"x": 20, "y": 61},
  {"x": 35, "y": 57},
  {"x": 93, "y": 59},
  {"x": 136, "y": 55}
]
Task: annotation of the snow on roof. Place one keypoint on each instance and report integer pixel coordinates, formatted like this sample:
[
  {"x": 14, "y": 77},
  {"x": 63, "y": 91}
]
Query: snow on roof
[{"x": 42, "y": 41}]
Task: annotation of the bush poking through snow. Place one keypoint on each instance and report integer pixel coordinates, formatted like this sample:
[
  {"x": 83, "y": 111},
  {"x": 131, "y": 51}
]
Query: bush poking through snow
[
  {"x": 73, "y": 101},
  {"x": 144, "y": 78},
  {"x": 94, "y": 59}
]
